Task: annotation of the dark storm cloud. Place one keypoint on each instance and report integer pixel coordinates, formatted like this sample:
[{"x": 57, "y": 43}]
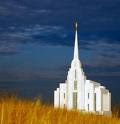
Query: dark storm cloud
[
  {"x": 105, "y": 54},
  {"x": 36, "y": 34},
  {"x": 28, "y": 74},
  {"x": 90, "y": 12},
  {"x": 93, "y": 15},
  {"x": 8, "y": 49}
]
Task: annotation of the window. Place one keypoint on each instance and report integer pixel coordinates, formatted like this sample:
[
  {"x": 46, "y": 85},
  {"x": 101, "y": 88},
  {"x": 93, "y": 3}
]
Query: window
[
  {"x": 64, "y": 95},
  {"x": 75, "y": 74},
  {"x": 95, "y": 101},
  {"x": 75, "y": 100},
  {"x": 88, "y": 95},
  {"x": 88, "y": 107},
  {"x": 75, "y": 85}
]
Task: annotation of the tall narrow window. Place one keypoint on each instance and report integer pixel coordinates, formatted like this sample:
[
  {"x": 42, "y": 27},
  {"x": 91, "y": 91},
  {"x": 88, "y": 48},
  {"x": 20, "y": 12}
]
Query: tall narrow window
[
  {"x": 88, "y": 107},
  {"x": 88, "y": 95},
  {"x": 75, "y": 100},
  {"x": 64, "y": 95},
  {"x": 95, "y": 101},
  {"x": 75, "y": 74},
  {"x": 75, "y": 85}
]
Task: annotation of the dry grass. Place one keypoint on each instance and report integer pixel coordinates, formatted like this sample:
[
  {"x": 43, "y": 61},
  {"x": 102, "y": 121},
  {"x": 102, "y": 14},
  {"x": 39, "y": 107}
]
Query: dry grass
[{"x": 16, "y": 111}]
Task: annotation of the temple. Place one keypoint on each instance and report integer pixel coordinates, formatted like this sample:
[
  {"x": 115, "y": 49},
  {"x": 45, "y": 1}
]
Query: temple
[{"x": 80, "y": 93}]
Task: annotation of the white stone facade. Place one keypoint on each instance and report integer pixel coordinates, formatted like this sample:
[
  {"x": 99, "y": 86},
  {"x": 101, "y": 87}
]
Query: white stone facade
[{"x": 79, "y": 93}]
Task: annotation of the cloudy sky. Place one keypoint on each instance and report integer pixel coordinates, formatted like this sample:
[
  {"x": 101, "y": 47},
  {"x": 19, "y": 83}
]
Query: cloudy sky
[{"x": 37, "y": 37}]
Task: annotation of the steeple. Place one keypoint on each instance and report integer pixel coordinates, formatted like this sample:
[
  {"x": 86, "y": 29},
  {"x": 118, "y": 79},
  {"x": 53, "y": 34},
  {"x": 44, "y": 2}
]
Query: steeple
[{"x": 76, "y": 54}]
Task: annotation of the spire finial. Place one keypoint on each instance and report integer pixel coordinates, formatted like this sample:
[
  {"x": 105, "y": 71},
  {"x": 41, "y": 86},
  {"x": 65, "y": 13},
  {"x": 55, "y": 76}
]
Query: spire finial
[{"x": 76, "y": 25}]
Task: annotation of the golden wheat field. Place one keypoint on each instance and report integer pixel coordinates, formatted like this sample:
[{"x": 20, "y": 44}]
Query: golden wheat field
[{"x": 18, "y": 111}]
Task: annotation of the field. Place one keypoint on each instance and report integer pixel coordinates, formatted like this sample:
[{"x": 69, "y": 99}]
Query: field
[{"x": 20, "y": 111}]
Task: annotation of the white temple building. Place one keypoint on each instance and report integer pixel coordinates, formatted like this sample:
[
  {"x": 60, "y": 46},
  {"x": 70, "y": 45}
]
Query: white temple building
[{"x": 80, "y": 93}]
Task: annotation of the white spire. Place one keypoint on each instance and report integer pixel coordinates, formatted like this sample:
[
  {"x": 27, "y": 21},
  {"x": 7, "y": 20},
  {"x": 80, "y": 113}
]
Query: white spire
[{"x": 76, "y": 54}]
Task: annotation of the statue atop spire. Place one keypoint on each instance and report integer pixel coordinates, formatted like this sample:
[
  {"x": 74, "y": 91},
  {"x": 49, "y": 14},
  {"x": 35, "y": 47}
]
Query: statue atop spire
[{"x": 76, "y": 54}]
